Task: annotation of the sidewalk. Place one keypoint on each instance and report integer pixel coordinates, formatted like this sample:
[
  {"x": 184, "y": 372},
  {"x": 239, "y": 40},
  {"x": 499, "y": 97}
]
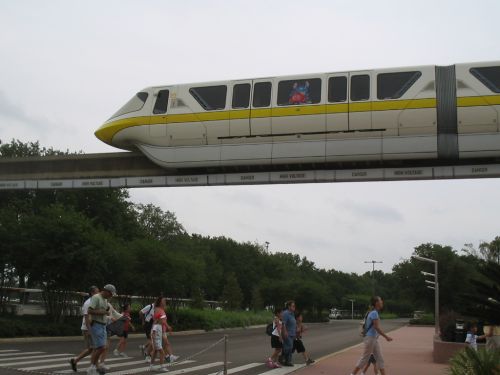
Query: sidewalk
[{"x": 409, "y": 354}]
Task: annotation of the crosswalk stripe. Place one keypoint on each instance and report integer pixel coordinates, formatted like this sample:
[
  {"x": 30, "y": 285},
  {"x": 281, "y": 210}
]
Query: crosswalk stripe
[
  {"x": 240, "y": 368},
  {"x": 66, "y": 364},
  {"x": 283, "y": 370},
  {"x": 8, "y": 350},
  {"x": 176, "y": 372},
  {"x": 25, "y": 353},
  {"x": 36, "y": 359}
]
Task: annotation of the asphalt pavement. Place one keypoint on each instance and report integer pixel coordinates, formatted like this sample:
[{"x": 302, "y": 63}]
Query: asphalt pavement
[{"x": 246, "y": 351}]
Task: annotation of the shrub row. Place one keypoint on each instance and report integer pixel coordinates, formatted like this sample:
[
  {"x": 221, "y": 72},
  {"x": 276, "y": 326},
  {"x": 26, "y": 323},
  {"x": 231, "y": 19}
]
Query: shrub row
[{"x": 181, "y": 320}]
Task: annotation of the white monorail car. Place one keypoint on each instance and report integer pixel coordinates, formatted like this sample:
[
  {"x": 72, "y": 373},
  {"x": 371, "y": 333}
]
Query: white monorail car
[{"x": 423, "y": 112}]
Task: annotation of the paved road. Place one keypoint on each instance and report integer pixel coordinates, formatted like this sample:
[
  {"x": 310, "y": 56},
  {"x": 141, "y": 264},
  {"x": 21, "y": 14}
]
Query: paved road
[{"x": 247, "y": 350}]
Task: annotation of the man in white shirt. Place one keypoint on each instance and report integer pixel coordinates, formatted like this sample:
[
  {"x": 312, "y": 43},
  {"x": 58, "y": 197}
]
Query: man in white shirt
[{"x": 85, "y": 330}]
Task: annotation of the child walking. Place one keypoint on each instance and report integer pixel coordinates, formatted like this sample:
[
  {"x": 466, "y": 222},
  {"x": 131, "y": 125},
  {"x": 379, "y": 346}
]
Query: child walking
[
  {"x": 157, "y": 341},
  {"x": 298, "y": 345},
  {"x": 127, "y": 325},
  {"x": 471, "y": 338},
  {"x": 276, "y": 340}
]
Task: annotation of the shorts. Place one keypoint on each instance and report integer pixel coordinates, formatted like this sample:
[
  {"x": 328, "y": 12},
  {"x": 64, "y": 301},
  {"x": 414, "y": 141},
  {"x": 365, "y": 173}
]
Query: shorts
[
  {"x": 298, "y": 346},
  {"x": 158, "y": 342},
  {"x": 87, "y": 339},
  {"x": 147, "y": 328},
  {"x": 99, "y": 336},
  {"x": 124, "y": 335},
  {"x": 276, "y": 343}
]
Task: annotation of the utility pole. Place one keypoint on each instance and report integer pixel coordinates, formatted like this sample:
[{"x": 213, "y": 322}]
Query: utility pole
[
  {"x": 434, "y": 285},
  {"x": 373, "y": 273}
]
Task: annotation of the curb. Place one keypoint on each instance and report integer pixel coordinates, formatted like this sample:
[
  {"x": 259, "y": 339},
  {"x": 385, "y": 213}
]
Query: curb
[{"x": 10, "y": 340}]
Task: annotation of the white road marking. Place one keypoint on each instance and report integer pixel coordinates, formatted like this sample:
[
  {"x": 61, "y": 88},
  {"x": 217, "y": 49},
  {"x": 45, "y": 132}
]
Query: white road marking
[
  {"x": 8, "y": 350},
  {"x": 66, "y": 363},
  {"x": 176, "y": 372},
  {"x": 13, "y": 354},
  {"x": 240, "y": 368},
  {"x": 283, "y": 370},
  {"x": 35, "y": 359}
]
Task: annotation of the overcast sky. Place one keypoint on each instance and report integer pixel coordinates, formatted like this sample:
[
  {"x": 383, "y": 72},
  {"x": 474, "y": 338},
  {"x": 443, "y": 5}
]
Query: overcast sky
[{"x": 66, "y": 66}]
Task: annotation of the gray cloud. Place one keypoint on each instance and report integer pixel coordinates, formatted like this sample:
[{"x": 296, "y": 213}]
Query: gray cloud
[{"x": 372, "y": 211}]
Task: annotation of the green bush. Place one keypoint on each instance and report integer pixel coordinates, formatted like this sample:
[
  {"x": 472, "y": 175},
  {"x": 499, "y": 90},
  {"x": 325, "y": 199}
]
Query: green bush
[
  {"x": 386, "y": 315},
  {"x": 27, "y": 326},
  {"x": 180, "y": 319},
  {"x": 471, "y": 362},
  {"x": 186, "y": 319},
  {"x": 425, "y": 320}
]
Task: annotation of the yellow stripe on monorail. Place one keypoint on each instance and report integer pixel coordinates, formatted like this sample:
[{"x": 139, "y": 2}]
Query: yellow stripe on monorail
[
  {"x": 477, "y": 101},
  {"x": 108, "y": 131}
]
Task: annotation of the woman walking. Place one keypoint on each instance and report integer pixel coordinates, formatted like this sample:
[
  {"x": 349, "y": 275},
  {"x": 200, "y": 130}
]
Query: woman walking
[{"x": 373, "y": 330}]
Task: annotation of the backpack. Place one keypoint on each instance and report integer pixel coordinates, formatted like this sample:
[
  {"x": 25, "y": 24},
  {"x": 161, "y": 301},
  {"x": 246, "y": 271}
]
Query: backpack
[
  {"x": 363, "y": 330},
  {"x": 270, "y": 329}
]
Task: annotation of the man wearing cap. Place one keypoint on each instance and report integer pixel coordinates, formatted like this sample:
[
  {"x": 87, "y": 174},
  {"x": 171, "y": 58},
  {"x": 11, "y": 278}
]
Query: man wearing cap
[
  {"x": 98, "y": 309},
  {"x": 85, "y": 330}
]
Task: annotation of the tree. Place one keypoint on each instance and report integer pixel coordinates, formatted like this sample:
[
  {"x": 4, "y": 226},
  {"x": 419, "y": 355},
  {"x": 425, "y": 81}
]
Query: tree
[
  {"x": 160, "y": 225},
  {"x": 232, "y": 296},
  {"x": 257, "y": 303}
]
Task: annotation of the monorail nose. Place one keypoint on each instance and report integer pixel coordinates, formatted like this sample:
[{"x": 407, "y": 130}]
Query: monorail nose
[{"x": 104, "y": 133}]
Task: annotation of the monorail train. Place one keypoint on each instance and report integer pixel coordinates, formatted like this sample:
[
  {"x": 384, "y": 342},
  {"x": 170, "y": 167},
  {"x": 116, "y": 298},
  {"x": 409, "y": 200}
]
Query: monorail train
[{"x": 423, "y": 112}]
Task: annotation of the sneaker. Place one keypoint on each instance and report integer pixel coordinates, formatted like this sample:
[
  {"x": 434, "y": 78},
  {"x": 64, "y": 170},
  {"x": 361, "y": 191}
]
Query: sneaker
[
  {"x": 116, "y": 352},
  {"x": 72, "y": 363},
  {"x": 163, "y": 369},
  {"x": 92, "y": 370},
  {"x": 147, "y": 359},
  {"x": 276, "y": 365},
  {"x": 141, "y": 348},
  {"x": 101, "y": 370},
  {"x": 123, "y": 355},
  {"x": 151, "y": 368},
  {"x": 309, "y": 361},
  {"x": 103, "y": 367},
  {"x": 269, "y": 363},
  {"x": 173, "y": 358}
]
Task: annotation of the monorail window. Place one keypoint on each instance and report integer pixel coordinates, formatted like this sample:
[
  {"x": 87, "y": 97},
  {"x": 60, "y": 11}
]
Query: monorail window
[
  {"x": 337, "y": 89},
  {"x": 299, "y": 91},
  {"x": 210, "y": 97},
  {"x": 489, "y": 76},
  {"x": 133, "y": 105},
  {"x": 161, "y": 102},
  {"x": 241, "y": 95},
  {"x": 394, "y": 85},
  {"x": 360, "y": 87},
  {"x": 262, "y": 94}
]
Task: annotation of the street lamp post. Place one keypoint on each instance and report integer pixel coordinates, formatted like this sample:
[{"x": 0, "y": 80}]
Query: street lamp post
[
  {"x": 433, "y": 285},
  {"x": 352, "y": 307},
  {"x": 373, "y": 274}
]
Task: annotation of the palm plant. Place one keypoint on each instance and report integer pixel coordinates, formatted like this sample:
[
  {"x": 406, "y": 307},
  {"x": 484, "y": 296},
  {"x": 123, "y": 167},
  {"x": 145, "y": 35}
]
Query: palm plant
[{"x": 472, "y": 362}]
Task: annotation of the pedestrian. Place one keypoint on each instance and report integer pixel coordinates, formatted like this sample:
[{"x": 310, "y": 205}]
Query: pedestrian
[
  {"x": 373, "y": 361},
  {"x": 159, "y": 319},
  {"x": 127, "y": 325},
  {"x": 98, "y": 310},
  {"x": 276, "y": 339},
  {"x": 87, "y": 339},
  {"x": 146, "y": 316},
  {"x": 161, "y": 307},
  {"x": 114, "y": 326},
  {"x": 298, "y": 345},
  {"x": 372, "y": 329},
  {"x": 471, "y": 339},
  {"x": 289, "y": 332}
]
